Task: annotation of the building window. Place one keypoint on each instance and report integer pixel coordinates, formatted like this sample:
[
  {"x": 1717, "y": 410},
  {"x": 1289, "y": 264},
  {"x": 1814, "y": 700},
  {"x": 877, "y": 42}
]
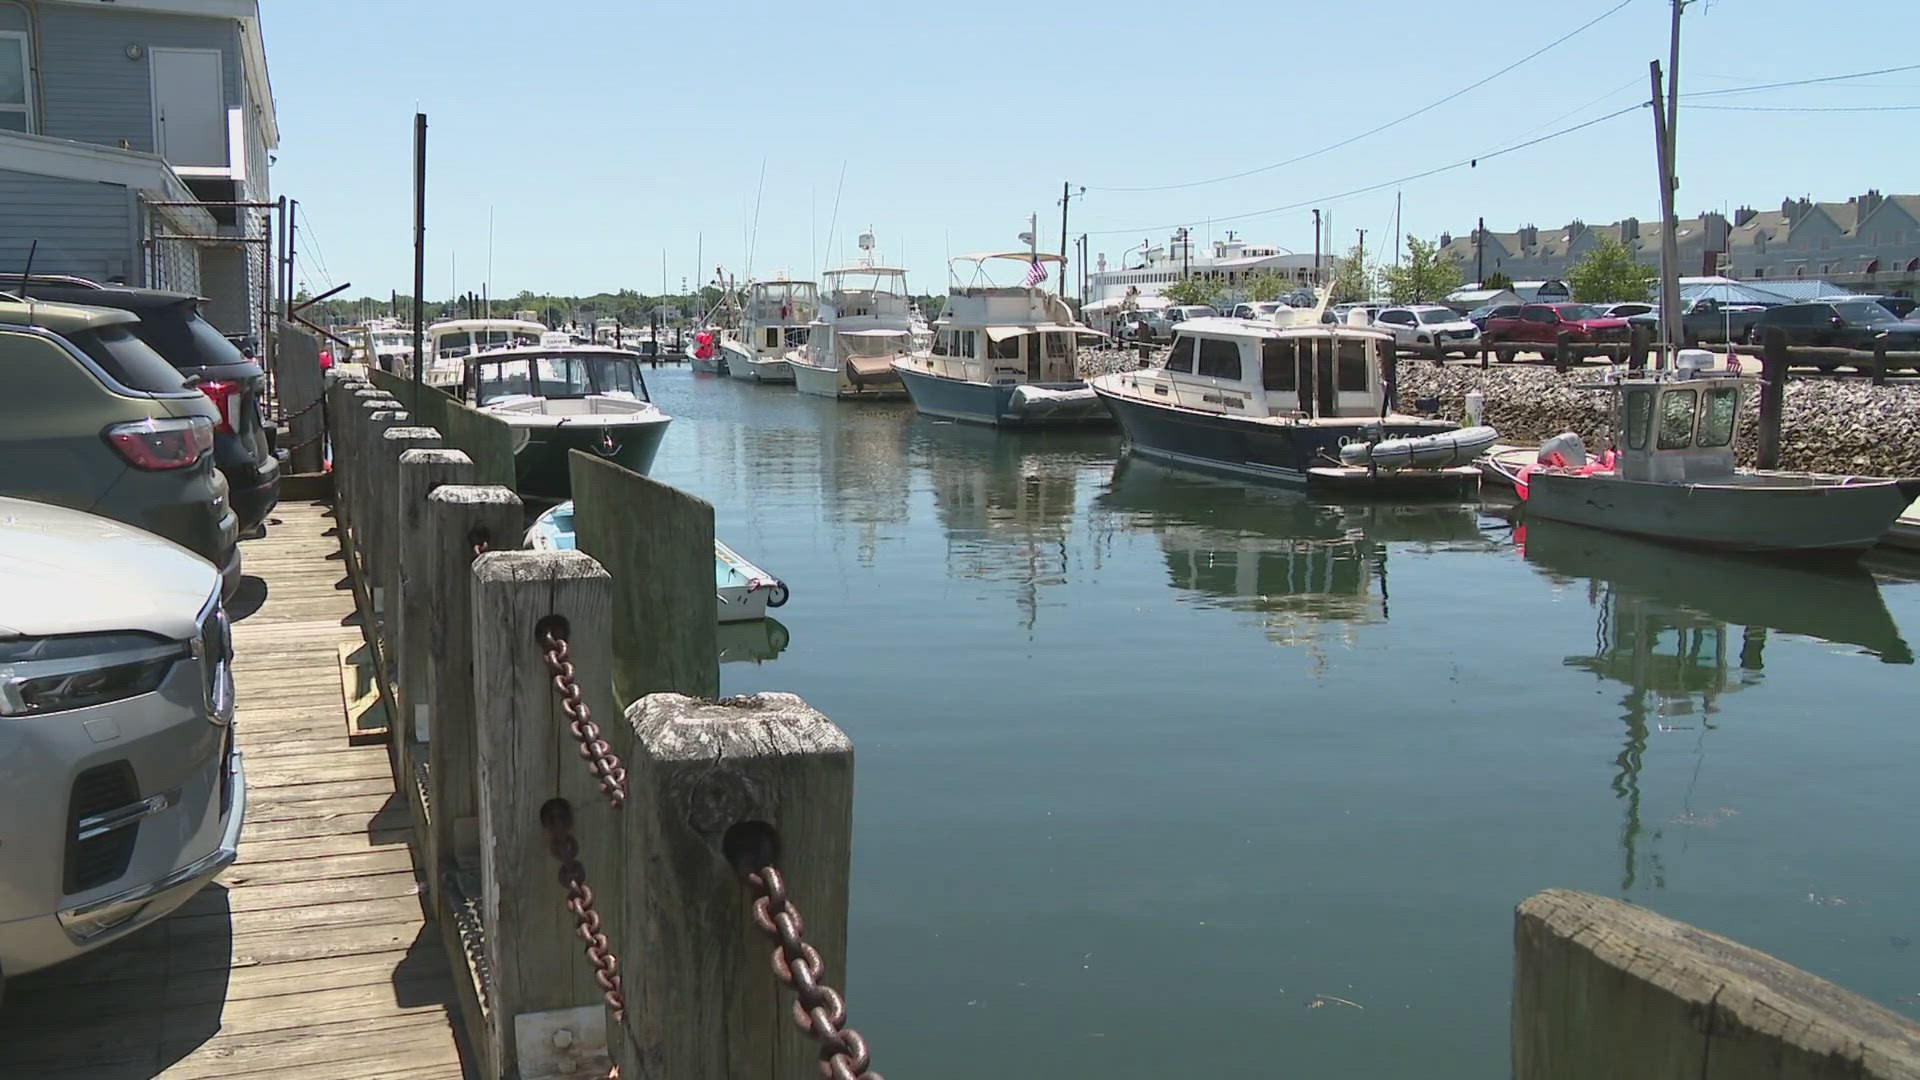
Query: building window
[{"x": 16, "y": 106}]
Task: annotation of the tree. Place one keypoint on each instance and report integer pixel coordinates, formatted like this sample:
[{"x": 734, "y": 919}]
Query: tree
[
  {"x": 1497, "y": 280},
  {"x": 1425, "y": 276},
  {"x": 1610, "y": 272},
  {"x": 1353, "y": 279},
  {"x": 1266, "y": 285},
  {"x": 1192, "y": 291}
]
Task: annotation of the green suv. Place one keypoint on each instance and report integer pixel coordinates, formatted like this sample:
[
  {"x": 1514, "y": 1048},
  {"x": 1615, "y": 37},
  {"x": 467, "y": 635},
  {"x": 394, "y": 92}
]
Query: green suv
[{"x": 95, "y": 420}]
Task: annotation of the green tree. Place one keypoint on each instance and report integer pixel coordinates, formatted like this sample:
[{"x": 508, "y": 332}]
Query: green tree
[
  {"x": 1193, "y": 291},
  {"x": 1353, "y": 278},
  {"x": 1424, "y": 277},
  {"x": 1610, "y": 272},
  {"x": 1497, "y": 280},
  {"x": 1266, "y": 285}
]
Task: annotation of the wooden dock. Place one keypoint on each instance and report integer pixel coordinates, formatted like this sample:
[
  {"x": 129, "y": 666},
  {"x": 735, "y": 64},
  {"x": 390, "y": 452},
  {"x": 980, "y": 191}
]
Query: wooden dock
[{"x": 307, "y": 959}]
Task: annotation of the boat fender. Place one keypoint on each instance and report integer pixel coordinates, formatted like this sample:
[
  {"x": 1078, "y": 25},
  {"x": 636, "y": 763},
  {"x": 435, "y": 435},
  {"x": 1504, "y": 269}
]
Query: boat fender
[
  {"x": 1520, "y": 481},
  {"x": 777, "y": 595}
]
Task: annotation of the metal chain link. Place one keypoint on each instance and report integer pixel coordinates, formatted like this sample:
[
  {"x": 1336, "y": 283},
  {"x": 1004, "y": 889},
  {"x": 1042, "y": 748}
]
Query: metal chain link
[
  {"x": 557, "y": 818},
  {"x": 303, "y": 410},
  {"x": 480, "y": 539},
  {"x": 818, "y": 1009},
  {"x": 600, "y": 758}
]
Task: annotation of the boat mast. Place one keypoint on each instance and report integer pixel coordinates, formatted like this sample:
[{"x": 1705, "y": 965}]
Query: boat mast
[{"x": 1669, "y": 247}]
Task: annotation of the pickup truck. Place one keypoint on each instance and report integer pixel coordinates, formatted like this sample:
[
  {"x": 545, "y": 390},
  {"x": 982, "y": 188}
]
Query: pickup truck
[
  {"x": 1544, "y": 325},
  {"x": 1707, "y": 320}
]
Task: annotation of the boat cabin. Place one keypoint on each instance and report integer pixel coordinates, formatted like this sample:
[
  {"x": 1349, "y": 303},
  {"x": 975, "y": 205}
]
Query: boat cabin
[
  {"x": 779, "y": 312},
  {"x": 568, "y": 379},
  {"x": 1677, "y": 430},
  {"x": 1007, "y": 334},
  {"x": 456, "y": 338},
  {"x": 1309, "y": 371},
  {"x": 858, "y": 291}
]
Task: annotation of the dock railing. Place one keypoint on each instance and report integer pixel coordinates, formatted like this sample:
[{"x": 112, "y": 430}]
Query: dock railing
[{"x": 618, "y": 863}]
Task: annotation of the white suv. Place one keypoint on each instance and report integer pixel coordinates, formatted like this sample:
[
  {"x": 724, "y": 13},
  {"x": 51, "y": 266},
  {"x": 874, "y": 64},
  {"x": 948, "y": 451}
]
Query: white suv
[
  {"x": 1429, "y": 328},
  {"x": 120, "y": 790}
]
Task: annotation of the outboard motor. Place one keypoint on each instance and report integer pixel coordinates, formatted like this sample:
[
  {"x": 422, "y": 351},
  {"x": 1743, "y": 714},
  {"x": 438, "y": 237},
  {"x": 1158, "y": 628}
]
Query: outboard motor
[{"x": 1567, "y": 447}]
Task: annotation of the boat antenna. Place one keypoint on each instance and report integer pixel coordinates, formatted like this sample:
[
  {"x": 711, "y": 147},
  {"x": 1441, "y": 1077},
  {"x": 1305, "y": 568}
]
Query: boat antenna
[
  {"x": 834, "y": 220},
  {"x": 753, "y": 235}
]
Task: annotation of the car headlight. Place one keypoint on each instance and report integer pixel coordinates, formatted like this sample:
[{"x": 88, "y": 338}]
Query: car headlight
[{"x": 53, "y": 674}]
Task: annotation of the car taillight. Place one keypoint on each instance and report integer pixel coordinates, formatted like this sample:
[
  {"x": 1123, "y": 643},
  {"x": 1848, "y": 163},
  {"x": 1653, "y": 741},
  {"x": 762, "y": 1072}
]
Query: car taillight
[
  {"x": 228, "y": 396},
  {"x": 171, "y": 443}
]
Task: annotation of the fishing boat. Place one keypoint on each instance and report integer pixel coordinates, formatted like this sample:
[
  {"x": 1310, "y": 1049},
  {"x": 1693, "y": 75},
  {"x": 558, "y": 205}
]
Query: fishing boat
[
  {"x": 1003, "y": 355},
  {"x": 742, "y": 591},
  {"x": 1289, "y": 400},
  {"x": 1674, "y": 478},
  {"x": 560, "y": 398},
  {"x": 775, "y": 321},
  {"x": 865, "y": 323},
  {"x": 451, "y": 341},
  {"x": 704, "y": 353}
]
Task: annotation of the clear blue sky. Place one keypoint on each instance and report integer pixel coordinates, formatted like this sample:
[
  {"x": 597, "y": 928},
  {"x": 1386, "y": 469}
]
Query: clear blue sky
[{"x": 600, "y": 134}]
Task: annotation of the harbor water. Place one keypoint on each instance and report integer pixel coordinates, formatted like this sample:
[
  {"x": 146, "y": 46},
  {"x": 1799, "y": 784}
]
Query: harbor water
[{"x": 1160, "y": 775}]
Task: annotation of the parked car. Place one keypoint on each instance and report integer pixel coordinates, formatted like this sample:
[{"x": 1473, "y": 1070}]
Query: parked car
[
  {"x": 1705, "y": 319},
  {"x": 1546, "y": 325},
  {"x": 1429, "y": 328},
  {"x": 95, "y": 420},
  {"x": 1257, "y": 310},
  {"x": 124, "y": 793},
  {"x": 1625, "y": 310},
  {"x": 1901, "y": 306},
  {"x": 1146, "y": 326},
  {"x": 1847, "y": 324},
  {"x": 1479, "y": 316},
  {"x": 171, "y": 322},
  {"x": 1180, "y": 313}
]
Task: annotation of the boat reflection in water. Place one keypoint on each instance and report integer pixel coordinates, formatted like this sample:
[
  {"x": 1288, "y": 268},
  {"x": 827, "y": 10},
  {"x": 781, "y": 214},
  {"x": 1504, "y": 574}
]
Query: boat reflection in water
[
  {"x": 1683, "y": 629},
  {"x": 756, "y": 641},
  {"x": 1308, "y": 569}
]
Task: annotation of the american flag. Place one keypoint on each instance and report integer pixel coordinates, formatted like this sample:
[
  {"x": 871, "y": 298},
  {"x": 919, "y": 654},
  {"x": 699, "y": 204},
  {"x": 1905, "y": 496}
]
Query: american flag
[{"x": 1036, "y": 273}]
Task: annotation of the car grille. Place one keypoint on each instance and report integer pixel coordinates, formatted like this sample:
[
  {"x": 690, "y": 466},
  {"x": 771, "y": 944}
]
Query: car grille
[{"x": 103, "y": 858}]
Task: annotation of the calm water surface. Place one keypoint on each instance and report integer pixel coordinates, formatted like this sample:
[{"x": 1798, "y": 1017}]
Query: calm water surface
[{"x": 1154, "y": 768}]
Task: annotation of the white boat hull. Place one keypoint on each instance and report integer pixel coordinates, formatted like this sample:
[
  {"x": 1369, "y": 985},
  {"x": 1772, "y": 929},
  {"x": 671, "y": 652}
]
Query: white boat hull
[
  {"x": 745, "y": 366},
  {"x": 820, "y": 382},
  {"x": 1767, "y": 512}
]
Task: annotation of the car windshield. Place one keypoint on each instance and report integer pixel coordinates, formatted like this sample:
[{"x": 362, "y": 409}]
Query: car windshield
[
  {"x": 578, "y": 376},
  {"x": 1438, "y": 315},
  {"x": 129, "y": 361},
  {"x": 1577, "y": 311},
  {"x": 185, "y": 339},
  {"x": 1864, "y": 312}
]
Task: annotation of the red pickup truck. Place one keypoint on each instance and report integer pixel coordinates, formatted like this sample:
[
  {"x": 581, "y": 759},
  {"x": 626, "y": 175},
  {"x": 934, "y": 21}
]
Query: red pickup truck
[{"x": 1546, "y": 324}]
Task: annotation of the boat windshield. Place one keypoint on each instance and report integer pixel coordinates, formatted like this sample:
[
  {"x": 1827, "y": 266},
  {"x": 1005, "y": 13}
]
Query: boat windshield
[
  {"x": 886, "y": 343},
  {"x": 791, "y": 302},
  {"x": 504, "y": 379},
  {"x": 579, "y": 376}
]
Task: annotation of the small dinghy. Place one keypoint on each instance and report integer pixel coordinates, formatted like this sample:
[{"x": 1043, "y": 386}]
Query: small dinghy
[
  {"x": 1444, "y": 450},
  {"x": 743, "y": 591}
]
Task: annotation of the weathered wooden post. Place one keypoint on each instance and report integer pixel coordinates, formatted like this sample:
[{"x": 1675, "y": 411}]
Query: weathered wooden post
[
  {"x": 364, "y": 403},
  {"x": 1773, "y": 397},
  {"x": 299, "y": 386},
  {"x": 378, "y": 499},
  {"x": 720, "y": 789},
  {"x": 1390, "y": 376},
  {"x": 1562, "y": 353},
  {"x": 459, "y": 518},
  {"x": 1605, "y": 989},
  {"x": 541, "y": 804},
  {"x": 394, "y": 444},
  {"x": 1880, "y": 360},
  {"x": 1640, "y": 340},
  {"x": 415, "y": 607}
]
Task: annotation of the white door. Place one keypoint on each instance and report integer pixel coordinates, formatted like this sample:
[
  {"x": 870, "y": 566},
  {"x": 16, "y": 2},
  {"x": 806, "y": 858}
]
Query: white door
[{"x": 189, "y": 107}]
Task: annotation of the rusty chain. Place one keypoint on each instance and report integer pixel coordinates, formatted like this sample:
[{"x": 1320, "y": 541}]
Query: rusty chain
[
  {"x": 481, "y": 541},
  {"x": 557, "y": 818},
  {"x": 818, "y": 1009},
  {"x": 600, "y": 758}
]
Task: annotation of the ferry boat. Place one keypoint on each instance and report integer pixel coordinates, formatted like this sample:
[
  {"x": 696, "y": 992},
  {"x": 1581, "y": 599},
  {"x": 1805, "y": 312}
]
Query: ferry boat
[
  {"x": 774, "y": 322},
  {"x": 1290, "y": 400},
  {"x": 560, "y": 398},
  {"x": 451, "y": 341},
  {"x": 865, "y": 324},
  {"x": 1003, "y": 355},
  {"x": 742, "y": 591}
]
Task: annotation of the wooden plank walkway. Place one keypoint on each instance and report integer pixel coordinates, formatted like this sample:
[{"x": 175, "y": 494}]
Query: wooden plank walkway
[{"x": 307, "y": 959}]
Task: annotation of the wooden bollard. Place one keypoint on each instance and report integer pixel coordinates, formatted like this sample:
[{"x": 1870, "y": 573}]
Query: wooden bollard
[
  {"x": 529, "y": 764},
  {"x": 457, "y": 515},
  {"x": 352, "y": 452},
  {"x": 378, "y": 499},
  {"x": 1773, "y": 397},
  {"x": 1880, "y": 361},
  {"x": 395, "y": 442},
  {"x": 1390, "y": 374},
  {"x": 1605, "y": 989},
  {"x": 708, "y": 779},
  {"x": 1562, "y": 353},
  {"x": 1640, "y": 340},
  {"x": 415, "y": 607}
]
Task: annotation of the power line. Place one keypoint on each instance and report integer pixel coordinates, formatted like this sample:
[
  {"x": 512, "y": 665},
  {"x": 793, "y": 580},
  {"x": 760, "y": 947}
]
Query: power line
[
  {"x": 1383, "y": 127},
  {"x": 1806, "y": 108},
  {"x": 1801, "y": 82},
  {"x": 306, "y": 227},
  {"x": 1465, "y": 163}
]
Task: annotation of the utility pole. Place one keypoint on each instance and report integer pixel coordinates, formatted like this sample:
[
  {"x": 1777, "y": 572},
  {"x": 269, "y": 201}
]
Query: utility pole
[
  {"x": 1480, "y": 254},
  {"x": 419, "y": 245},
  {"x": 1669, "y": 246},
  {"x": 1361, "y": 260},
  {"x": 1316, "y": 247},
  {"x": 1186, "y": 253},
  {"x": 1396, "y": 230},
  {"x": 1066, "y": 193},
  {"x": 1673, "y": 95}
]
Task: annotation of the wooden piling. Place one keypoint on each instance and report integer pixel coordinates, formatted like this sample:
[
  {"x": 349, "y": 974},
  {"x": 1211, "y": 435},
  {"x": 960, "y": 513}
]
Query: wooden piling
[
  {"x": 1605, "y": 989},
  {"x": 415, "y": 608},
  {"x": 395, "y": 442},
  {"x": 377, "y": 505},
  {"x": 527, "y": 759},
  {"x": 1773, "y": 397},
  {"x": 657, "y": 542},
  {"x": 1880, "y": 361},
  {"x": 299, "y": 384},
  {"x": 457, "y": 515},
  {"x": 702, "y": 999},
  {"x": 1640, "y": 342},
  {"x": 1562, "y": 353}
]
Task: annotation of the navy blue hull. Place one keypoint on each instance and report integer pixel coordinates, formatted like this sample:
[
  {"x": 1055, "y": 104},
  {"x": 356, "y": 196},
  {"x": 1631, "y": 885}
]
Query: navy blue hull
[
  {"x": 981, "y": 403},
  {"x": 1279, "y": 454}
]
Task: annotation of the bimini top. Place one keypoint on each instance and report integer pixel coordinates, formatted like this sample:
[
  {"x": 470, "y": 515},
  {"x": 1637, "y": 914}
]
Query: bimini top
[
  {"x": 485, "y": 324},
  {"x": 1222, "y": 326},
  {"x": 1023, "y": 256},
  {"x": 1002, "y": 333},
  {"x": 536, "y": 352},
  {"x": 863, "y": 270}
]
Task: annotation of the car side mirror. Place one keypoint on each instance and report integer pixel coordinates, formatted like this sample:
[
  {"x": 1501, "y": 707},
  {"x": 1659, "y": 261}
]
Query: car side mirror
[{"x": 1837, "y": 321}]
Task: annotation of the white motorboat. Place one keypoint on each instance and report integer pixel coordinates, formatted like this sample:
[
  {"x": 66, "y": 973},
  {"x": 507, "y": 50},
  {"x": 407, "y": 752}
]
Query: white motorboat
[
  {"x": 742, "y": 591},
  {"x": 566, "y": 397},
  {"x": 776, "y": 320},
  {"x": 865, "y": 324},
  {"x": 451, "y": 341}
]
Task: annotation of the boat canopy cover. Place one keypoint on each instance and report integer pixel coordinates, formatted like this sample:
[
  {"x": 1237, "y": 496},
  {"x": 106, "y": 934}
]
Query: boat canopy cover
[
  {"x": 1002, "y": 333},
  {"x": 1023, "y": 256}
]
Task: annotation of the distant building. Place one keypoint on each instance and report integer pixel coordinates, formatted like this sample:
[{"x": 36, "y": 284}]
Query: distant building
[
  {"x": 122, "y": 126},
  {"x": 1870, "y": 242},
  {"x": 1230, "y": 262}
]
